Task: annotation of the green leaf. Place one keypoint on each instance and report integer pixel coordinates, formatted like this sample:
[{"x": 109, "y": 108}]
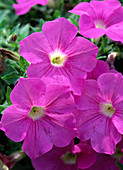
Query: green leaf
[
  {"x": 3, "y": 107},
  {"x": 119, "y": 165},
  {"x": 101, "y": 57},
  {"x": 11, "y": 78},
  {"x": 15, "y": 29},
  {"x": 3, "y": 14},
  {"x": 23, "y": 63},
  {"x": 56, "y": 14},
  {"x": 8, "y": 95},
  {"x": 24, "y": 32},
  {"x": 41, "y": 23}
]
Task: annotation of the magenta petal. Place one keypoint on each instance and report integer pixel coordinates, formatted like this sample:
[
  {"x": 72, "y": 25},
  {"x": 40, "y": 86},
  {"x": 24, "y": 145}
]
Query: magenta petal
[
  {"x": 28, "y": 92},
  {"x": 39, "y": 70},
  {"x": 53, "y": 92},
  {"x": 59, "y": 33},
  {"x": 47, "y": 161},
  {"x": 60, "y": 136},
  {"x": 52, "y": 160},
  {"x": 83, "y": 57},
  {"x": 87, "y": 27},
  {"x": 115, "y": 17},
  {"x": 64, "y": 120},
  {"x": 24, "y": 6},
  {"x": 63, "y": 103},
  {"x": 15, "y": 123},
  {"x": 87, "y": 156},
  {"x": 90, "y": 97},
  {"x": 117, "y": 118},
  {"x": 118, "y": 122},
  {"x": 83, "y": 7},
  {"x": 108, "y": 84},
  {"x": 76, "y": 78},
  {"x": 104, "y": 136},
  {"x": 115, "y": 3},
  {"x": 103, "y": 9},
  {"x": 35, "y": 48},
  {"x": 21, "y": 9},
  {"x": 107, "y": 139},
  {"x": 37, "y": 142},
  {"x": 56, "y": 79},
  {"x": 104, "y": 162},
  {"x": 101, "y": 67},
  {"x": 115, "y": 32}
]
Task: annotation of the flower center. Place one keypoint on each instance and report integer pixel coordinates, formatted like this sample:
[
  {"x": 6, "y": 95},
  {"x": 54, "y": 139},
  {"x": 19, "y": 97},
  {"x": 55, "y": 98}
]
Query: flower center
[
  {"x": 36, "y": 113},
  {"x": 107, "y": 109},
  {"x": 100, "y": 24},
  {"x": 57, "y": 58},
  {"x": 69, "y": 158}
]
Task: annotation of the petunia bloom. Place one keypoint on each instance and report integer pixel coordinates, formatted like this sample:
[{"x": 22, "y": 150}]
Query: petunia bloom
[
  {"x": 41, "y": 115},
  {"x": 104, "y": 162},
  {"x": 99, "y": 112},
  {"x": 24, "y": 6},
  {"x": 71, "y": 157},
  {"x": 100, "y": 17},
  {"x": 101, "y": 67},
  {"x": 57, "y": 51}
]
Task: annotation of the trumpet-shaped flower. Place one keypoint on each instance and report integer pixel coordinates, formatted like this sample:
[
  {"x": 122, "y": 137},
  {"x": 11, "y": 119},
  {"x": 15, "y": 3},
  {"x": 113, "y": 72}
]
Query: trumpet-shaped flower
[
  {"x": 101, "y": 67},
  {"x": 100, "y": 17},
  {"x": 57, "y": 51},
  {"x": 41, "y": 115},
  {"x": 24, "y": 6},
  {"x": 76, "y": 157},
  {"x": 100, "y": 112},
  {"x": 105, "y": 162}
]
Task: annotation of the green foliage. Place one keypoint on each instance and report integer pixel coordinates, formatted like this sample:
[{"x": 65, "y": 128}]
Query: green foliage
[{"x": 120, "y": 166}]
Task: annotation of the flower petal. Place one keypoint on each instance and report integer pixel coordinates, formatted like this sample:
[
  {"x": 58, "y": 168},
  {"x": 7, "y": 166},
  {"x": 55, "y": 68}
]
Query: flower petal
[
  {"x": 101, "y": 67},
  {"x": 37, "y": 142},
  {"x": 24, "y": 6},
  {"x": 15, "y": 123},
  {"x": 35, "y": 48},
  {"x": 87, "y": 27},
  {"x": 82, "y": 56},
  {"x": 28, "y": 92},
  {"x": 59, "y": 33},
  {"x": 115, "y": 33},
  {"x": 83, "y": 7},
  {"x": 86, "y": 157},
  {"x": 59, "y": 102},
  {"x": 60, "y": 136},
  {"x": 103, "y": 134},
  {"x": 109, "y": 86},
  {"x": 90, "y": 97}
]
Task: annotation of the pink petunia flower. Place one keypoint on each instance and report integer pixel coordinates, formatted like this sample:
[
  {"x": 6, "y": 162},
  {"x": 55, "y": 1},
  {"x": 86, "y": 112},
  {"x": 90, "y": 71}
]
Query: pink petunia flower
[
  {"x": 100, "y": 112},
  {"x": 57, "y": 51},
  {"x": 101, "y": 67},
  {"x": 104, "y": 162},
  {"x": 24, "y": 6},
  {"x": 41, "y": 115},
  {"x": 100, "y": 17},
  {"x": 76, "y": 157}
]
